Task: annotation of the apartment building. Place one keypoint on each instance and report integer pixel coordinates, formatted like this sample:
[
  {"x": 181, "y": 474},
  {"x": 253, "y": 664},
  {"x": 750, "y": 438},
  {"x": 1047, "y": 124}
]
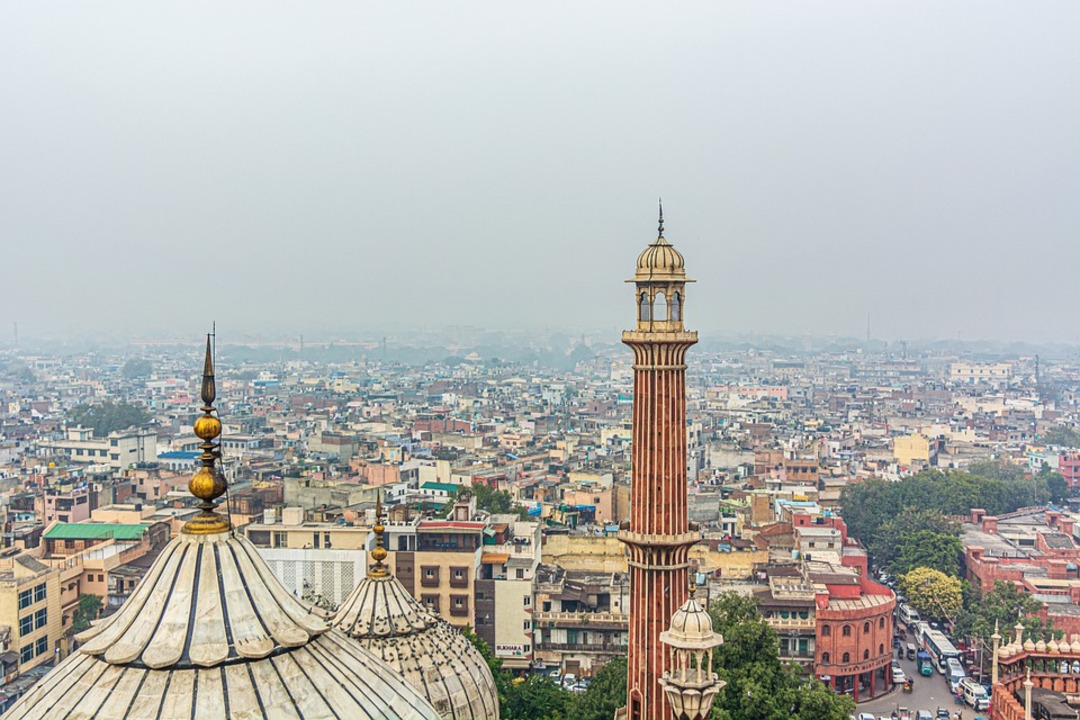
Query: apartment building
[
  {"x": 30, "y": 608},
  {"x": 118, "y": 450}
]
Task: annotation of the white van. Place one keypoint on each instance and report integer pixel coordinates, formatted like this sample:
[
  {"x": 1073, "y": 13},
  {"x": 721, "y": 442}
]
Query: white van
[
  {"x": 908, "y": 615},
  {"x": 974, "y": 694},
  {"x": 954, "y": 673}
]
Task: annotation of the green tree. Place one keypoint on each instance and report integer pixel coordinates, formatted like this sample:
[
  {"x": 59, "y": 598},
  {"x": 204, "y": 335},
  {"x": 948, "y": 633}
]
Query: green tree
[
  {"x": 606, "y": 693},
  {"x": 87, "y": 610},
  {"x": 107, "y": 417},
  {"x": 137, "y": 368},
  {"x": 537, "y": 697},
  {"x": 1055, "y": 484},
  {"x": 759, "y": 687},
  {"x": 890, "y": 539},
  {"x": 1063, "y": 436},
  {"x": 926, "y": 548},
  {"x": 492, "y": 500},
  {"x": 1002, "y": 605},
  {"x": 933, "y": 593}
]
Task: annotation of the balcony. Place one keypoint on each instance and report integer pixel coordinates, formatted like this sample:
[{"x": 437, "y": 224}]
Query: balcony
[
  {"x": 582, "y": 647},
  {"x": 585, "y": 620},
  {"x": 779, "y": 623}
]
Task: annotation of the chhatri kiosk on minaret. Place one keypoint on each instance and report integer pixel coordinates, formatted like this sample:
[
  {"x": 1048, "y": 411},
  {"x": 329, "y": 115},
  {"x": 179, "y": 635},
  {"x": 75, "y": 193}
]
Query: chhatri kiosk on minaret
[{"x": 658, "y": 535}]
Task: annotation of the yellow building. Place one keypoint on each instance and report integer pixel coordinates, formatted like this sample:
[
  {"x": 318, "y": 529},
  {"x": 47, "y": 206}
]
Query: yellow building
[
  {"x": 911, "y": 449},
  {"x": 30, "y": 606}
]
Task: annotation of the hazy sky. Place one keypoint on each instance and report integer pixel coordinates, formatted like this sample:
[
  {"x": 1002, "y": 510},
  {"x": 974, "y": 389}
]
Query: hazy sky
[{"x": 318, "y": 167}]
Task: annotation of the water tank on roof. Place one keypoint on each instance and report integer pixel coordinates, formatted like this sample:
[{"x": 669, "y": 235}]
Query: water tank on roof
[{"x": 269, "y": 516}]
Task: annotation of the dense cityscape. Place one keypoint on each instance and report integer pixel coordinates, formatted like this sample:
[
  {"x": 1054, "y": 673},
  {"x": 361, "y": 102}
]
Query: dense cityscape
[{"x": 885, "y": 515}]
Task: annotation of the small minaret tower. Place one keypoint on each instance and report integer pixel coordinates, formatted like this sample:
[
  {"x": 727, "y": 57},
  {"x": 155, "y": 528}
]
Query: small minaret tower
[{"x": 657, "y": 536}]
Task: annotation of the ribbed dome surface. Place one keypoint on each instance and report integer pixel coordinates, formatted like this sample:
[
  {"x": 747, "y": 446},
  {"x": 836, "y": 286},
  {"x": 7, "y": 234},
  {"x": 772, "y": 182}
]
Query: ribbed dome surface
[
  {"x": 691, "y": 623},
  {"x": 660, "y": 260},
  {"x": 434, "y": 657},
  {"x": 211, "y": 633}
]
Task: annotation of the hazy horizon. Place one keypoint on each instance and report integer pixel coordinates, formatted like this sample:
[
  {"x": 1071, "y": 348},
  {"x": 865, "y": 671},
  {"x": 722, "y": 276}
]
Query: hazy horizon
[{"x": 328, "y": 168}]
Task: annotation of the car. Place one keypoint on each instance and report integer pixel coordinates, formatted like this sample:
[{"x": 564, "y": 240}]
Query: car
[
  {"x": 898, "y": 675},
  {"x": 942, "y": 713},
  {"x": 867, "y": 716}
]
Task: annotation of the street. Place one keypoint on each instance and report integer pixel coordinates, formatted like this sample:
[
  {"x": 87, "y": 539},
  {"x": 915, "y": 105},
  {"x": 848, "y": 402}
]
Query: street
[{"x": 929, "y": 693}]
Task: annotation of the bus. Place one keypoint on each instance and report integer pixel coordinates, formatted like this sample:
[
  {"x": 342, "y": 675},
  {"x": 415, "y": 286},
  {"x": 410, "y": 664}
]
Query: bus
[{"x": 939, "y": 647}]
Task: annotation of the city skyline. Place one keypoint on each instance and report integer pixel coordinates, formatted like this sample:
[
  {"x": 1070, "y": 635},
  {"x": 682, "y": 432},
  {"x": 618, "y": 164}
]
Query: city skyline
[{"x": 418, "y": 166}]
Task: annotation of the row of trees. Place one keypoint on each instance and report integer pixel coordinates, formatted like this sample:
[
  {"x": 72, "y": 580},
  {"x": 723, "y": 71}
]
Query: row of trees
[
  {"x": 759, "y": 685},
  {"x": 107, "y": 417}
]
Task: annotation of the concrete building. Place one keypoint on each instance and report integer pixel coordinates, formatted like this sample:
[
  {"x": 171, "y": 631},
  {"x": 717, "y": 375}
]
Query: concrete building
[{"x": 118, "y": 450}]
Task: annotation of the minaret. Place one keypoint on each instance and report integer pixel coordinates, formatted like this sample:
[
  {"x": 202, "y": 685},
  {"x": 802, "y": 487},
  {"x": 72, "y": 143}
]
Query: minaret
[{"x": 658, "y": 536}]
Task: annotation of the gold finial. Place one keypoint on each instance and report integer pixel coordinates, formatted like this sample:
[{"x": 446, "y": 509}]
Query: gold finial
[
  {"x": 377, "y": 569},
  {"x": 693, "y": 589},
  {"x": 207, "y": 484},
  {"x": 660, "y": 229}
]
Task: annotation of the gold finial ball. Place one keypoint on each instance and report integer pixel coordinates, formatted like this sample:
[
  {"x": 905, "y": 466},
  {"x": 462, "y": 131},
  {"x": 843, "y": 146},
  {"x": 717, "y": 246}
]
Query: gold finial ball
[
  {"x": 207, "y": 427},
  {"x": 379, "y": 529},
  {"x": 378, "y": 554},
  {"x": 207, "y": 484}
]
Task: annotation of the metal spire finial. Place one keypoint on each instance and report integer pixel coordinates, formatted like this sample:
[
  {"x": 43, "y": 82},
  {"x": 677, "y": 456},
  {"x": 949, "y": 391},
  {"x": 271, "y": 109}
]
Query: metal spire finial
[
  {"x": 378, "y": 554},
  {"x": 208, "y": 484},
  {"x": 660, "y": 229}
]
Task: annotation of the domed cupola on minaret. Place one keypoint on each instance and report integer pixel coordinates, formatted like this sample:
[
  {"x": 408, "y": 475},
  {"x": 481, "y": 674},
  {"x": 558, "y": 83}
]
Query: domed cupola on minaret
[{"x": 660, "y": 283}]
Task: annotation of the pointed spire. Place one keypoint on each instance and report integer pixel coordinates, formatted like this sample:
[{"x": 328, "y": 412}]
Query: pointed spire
[
  {"x": 378, "y": 554},
  {"x": 660, "y": 229},
  {"x": 208, "y": 484}
]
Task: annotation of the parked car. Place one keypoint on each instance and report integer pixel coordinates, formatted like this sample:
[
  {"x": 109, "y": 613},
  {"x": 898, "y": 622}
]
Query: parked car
[{"x": 898, "y": 674}]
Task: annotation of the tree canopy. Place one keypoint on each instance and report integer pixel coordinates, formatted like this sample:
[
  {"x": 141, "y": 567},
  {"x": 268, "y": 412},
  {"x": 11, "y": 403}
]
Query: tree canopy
[
  {"x": 998, "y": 488},
  {"x": 759, "y": 686},
  {"x": 1002, "y": 605},
  {"x": 137, "y": 368},
  {"x": 107, "y": 417},
  {"x": 1063, "y": 436},
  {"x": 492, "y": 500},
  {"x": 933, "y": 593},
  {"x": 926, "y": 548},
  {"x": 887, "y": 543}
]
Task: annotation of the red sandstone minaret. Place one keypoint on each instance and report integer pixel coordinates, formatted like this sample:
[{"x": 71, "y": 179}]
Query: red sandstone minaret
[{"x": 658, "y": 535}]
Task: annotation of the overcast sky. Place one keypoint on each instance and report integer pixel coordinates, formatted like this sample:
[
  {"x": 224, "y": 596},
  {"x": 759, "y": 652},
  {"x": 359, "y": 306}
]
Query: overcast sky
[{"x": 321, "y": 167}]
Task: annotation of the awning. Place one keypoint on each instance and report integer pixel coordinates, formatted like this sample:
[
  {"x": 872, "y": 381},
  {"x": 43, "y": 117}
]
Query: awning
[{"x": 494, "y": 558}]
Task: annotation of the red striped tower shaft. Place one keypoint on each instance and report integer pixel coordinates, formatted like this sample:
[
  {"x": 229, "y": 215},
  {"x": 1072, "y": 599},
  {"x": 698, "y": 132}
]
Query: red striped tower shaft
[{"x": 658, "y": 538}]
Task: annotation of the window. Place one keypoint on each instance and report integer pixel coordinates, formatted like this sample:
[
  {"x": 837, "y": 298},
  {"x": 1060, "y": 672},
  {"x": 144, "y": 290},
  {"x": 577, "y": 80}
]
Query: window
[
  {"x": 26, "y": 654},
  {"x": 41, "y": 646},
  {"x": 520, "y": 574},
  {"x": 881, "y": 623},
  {"x": 26, "y": 625},
  {"x": 41, "y": 617},
  {"x": 527, "y": 625},
  {"x": 676, "y": 307},
  {"x": 316, "y": 540},
  {"x": 847, "y": 658},
  {"x": 431, "y": 603},
  {"x": 429, "y": 576},
  {"x": 826, "y": 631},
  {"x": 39, "y": 593},
  {"x": 881, "y": 649},
  {"x": 526, "y": 600},
  {"x": 26, "y": 599},
  {"x": 459, "y": 577},
  {"x": 825, "y": 658},
  {"x": 866, "y": 628},
  {"x": 865, "y": 654},
  {"x": 846, "y": 631},
  {"x": 459, "y": 605}
]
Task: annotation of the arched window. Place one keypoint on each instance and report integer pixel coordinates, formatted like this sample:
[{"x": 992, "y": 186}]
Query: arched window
[
  {"x": 846, "y": 632},
  {"x": 866, "y": 628},
  {"x": 865, "y": 654},
  {"x": 847, "y": 658},
  {"x": 645, "y": 310},
  {"x": 881, "y": 623},
  {"x": 826, "y": 631},
  {"x": 660, "y": 310},
  {"x": 881, "y": 649},
  {"x": 825, "y": 658},
  {"x": 676, "y": 306}
]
